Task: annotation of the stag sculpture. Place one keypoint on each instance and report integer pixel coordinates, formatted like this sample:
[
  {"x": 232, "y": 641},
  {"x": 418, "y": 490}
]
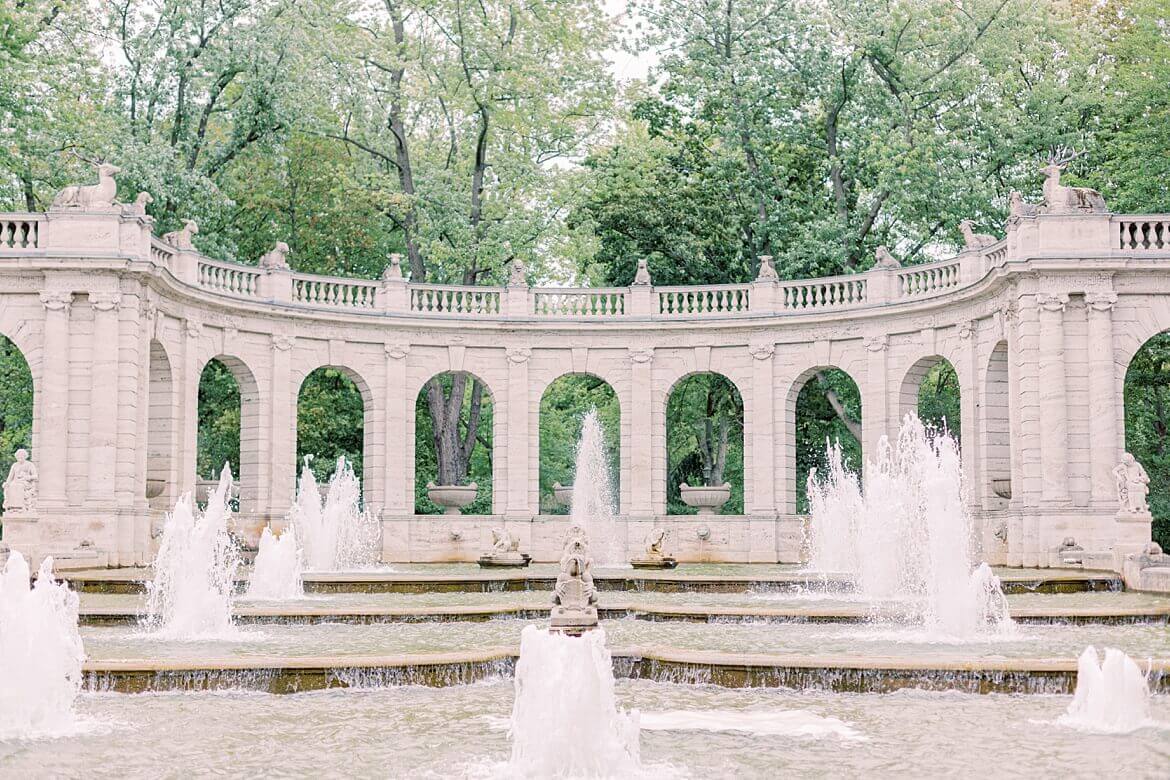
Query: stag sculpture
[
  {"x": 90, "y": 197},
  {"x": 975, "y": 240},
  {"x": 181, "y": 239},
  {"x": 1065, "y": 200}
]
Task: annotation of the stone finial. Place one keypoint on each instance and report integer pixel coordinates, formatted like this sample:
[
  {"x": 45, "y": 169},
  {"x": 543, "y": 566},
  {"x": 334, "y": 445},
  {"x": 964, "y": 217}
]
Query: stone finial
[
  {"x": 885, "y": 260},
  {"x": 20, "y": 487},
  {"x": 90, "y": 197},
  {"x": 1133, "y": 485},
  {"x": 642, "y": 275},
  {"x": 182, "y": 239},
  {"x": 973, "y": 240},
  {"x": 276, "y": 259},
  {"x": 767, "y": 272},
  {"x": 517, "y": 273},
  {"x": 393, "y": 271}
]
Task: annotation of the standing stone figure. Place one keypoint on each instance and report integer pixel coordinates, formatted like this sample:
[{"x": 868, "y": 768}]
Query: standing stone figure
[
  {"x": 575, "y": 596},
  {"x": 20, "y": 488},
  {"x": 1133, "y": 485}
]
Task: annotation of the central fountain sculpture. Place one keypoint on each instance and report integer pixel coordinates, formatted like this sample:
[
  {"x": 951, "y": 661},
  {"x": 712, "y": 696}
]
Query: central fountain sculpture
[{"x": 575, "y": 597}]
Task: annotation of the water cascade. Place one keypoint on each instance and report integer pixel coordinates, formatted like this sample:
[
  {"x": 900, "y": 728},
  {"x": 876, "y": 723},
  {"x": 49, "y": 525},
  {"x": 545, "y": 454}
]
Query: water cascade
[
  {"x": 191, "y": 595},
  {"x": 593, "y": 501},
  {"x": 276, "y": 575},
  {"x": 336, "y": 534},
  {"x": 40, "y": 652},
  {"x": 905, "y": 533},
  {"x": 1111, "y": 697}
]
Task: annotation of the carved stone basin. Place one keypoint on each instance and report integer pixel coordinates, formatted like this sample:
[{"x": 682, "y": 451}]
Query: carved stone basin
[
  {"x": 452, "y": 497},
  {"x": 563, "y": 494},
  {"x": 705, "y": 498}
]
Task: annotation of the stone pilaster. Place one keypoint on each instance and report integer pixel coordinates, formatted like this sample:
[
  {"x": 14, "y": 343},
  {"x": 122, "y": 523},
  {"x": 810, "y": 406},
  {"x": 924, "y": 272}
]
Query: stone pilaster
[
  {"x": 103, "y": 399},
  {"x": 641, "y": 444},
  {"x": 759, "y": 471},
  {"x": 279, "y": 474},
  {"x": 1053, "y": 412},
  {"x": 518, "y": 413},
  {"x": 875, "y": 406},
  {"x": 1105, "y": 444},
  {"x": 189, "y": 405},
  {"x": 54, "y": 407},
  {"x": 399, "y": 474}
]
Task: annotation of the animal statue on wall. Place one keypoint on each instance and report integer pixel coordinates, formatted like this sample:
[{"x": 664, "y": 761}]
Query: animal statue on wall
[
  {"x": 138, "y": 207},
  {"x": 181, "y": 239},
  {"x": 1067, "y": 200},
  {"x": 974, "y": 240},
  {"x": 277, "y": 258},
  {"x": 886, "y": 260},
  {"x": 90, "y": 197}
]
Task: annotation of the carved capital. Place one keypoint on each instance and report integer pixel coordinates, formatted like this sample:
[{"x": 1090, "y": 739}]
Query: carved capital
[
  {"x": 877, "y": 343},
  {"x": 282, "y": 342},
  {"x": 104, "y": 301},
  {"x": 641, "y": 354},
  {"x": 519, "y": 354},
  {"x": 194, "y": 328},
  {"x": 55, "y": 300},
  {"x": 762, "y": 350},
  {"x": 1100, "y": 301},
  {"x": 1051, "y": 302},
  {"x": 397, "y": 351}
]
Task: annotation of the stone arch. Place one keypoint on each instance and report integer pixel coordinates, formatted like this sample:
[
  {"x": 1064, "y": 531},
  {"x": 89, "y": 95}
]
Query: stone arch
[
  {"x": 550, "y": 464},
  {"x": 794, "y": 470},
  {"x": 996, "y": 434},
  {"x": 17, "y": 408},
  {"x": 736, "y": 454},
  {"x": 366, "y": 397},
  {"x": 1146, "y": 415},
  {"x": 910, "y": 394},
  {"x": 162, "y": 430},
  {"x": 495, "y": 428},
  {"x": 247, "y": 470}
]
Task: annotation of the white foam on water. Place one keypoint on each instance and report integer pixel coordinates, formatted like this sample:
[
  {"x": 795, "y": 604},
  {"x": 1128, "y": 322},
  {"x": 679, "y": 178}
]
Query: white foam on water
[
  {"x": 276, "y": 575},
  {"x": 786, "y": 723},
  {"x": 906, "y": 534},
  {"x": 1112, "y": 697},
  {"x": 565, "y": 719},
  {"x": 190, "y": 597},
  {"x": 593, "y": 506},
  {"x": 337, "y": 533},
  {"x": 40, "y": 654}
]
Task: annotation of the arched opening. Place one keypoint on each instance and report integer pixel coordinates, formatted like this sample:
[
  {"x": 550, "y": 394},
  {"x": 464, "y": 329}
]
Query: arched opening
[
  {"x": 228, "y": 428},
  {"x": 562, "y": 408},
  {"x": 704, "y": 446},
  {"x": 331, "y": 409},
  {"x": 16, "y": 406},
  {"x": 997, "y": 461},
  {"x": 931, "y": 390},
  {"x": 1147, "y": 425},
  {"x": 824, "y": 405},
  {"x": 161, "y": 431},
  {"x": 455, "y": 451}
]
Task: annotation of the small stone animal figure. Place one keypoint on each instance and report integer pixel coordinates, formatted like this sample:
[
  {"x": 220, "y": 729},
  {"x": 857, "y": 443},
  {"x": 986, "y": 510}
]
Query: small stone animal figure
[
  {"x": 975, "y": 240},
  {"x": 885, "y": 259},
  {"x": 1063, "y": 200},
  {"x": 181, "y": 239},
  {"x": 138, "y": 207},
  {"x": 90, "y": 196},
  {"x": 1018, "y": 207},
  {"x": 276, "y": 258}
]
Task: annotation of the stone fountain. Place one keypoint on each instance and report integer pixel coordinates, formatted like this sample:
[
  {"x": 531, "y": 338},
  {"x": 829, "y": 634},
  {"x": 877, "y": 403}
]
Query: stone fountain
[
  {"x": 505, "y": 552},
  {"x": 575, "y": 598}
]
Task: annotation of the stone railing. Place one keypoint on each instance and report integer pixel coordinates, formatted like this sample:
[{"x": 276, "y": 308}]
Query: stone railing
[
  {"x": 1141, "y": 232},
  {"x": 920, "y": 281},
  {"x": 20, "y": 231},
  {"x": 161, "y": 253},
  {"x": 333, "y": 291},
  {"x": 716, "y": 299},
  {"x": 454, "y": 299},
  {"x": 229, "y": 278},
  {"x": 592, "y": 302},
  {"x": 835, "y": 292}
]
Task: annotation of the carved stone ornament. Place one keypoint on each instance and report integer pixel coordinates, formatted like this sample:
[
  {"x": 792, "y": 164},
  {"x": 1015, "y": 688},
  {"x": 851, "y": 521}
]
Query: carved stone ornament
[
  {"x": 642, "y": 275},
  {"x": 762, "y": 350},
  {"x": 641, "y": 354},
  {"x": 182, "y": 239},
  {"x": 393, "y": 271},
  {"x": 767, "y": 272},
  {"x": 20, "y": 487},
  {"x": 519, "y": 354},
  {"x": 517, "y": 273},
  {"x": 966, "y": 330},
  {"x": 885, "y": 260},
  {"x": 194, "y": 328},
  {"x": 397, "y": 350},
  {"x": 147, "y": 310},
  {"x": 1133, "y": 485},
  {"x": 1101, "y": 301},
  {"x": 90, "y": 197},
  {"x": 282, "y": 342},
  {"x": 276, "y": 259},
  {"x": 104, "y": 301},
  {"x": 138, "y": 207},
  {"x": 1051, "y": 302},
  {"x": 55, "y": 300},
  {"x": 877, "y": 343}
]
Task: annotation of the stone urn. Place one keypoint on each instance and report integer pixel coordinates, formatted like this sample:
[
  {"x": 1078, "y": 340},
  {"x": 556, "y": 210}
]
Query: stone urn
[
  {"x": 452, "y": 497},
  {"x": 705, "y": 498},
  {"x": 562, "y": 494}
]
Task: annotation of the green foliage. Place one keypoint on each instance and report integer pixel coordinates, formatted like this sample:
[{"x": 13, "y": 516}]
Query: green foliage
[
  {"x": 218, "y": 434},
  {"x": 330, "y": 422},
  {"x": 938, "y": 399},
  {"x": 16, "y": 405},
  {"x": 698, "y": 407},
  {"x": 1147, "y": 425},
  {"x": 817, "y": 423},
  {"x": 426, "y": 466},
  {"x": 562, "y": 408}
]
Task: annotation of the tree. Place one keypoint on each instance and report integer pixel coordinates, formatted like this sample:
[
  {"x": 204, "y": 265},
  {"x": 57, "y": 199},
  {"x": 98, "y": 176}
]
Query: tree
[{"x": 704, "y": 438}]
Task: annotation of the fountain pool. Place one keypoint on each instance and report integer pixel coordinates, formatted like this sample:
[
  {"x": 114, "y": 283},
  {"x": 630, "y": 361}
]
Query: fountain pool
[{"x": 462, "y": 731}]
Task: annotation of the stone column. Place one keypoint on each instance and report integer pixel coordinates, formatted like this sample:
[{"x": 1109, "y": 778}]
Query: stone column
[
  {"x": 760, "y": 478},
  {"x": 1105, "y": 444},
  {"x": 54, "y": 406},
  {"x": 516, "y": 505},
  {"x": 188, "y": 379},
  {"x": 641, "y": 444},
  {"x": 103, "y": 400},
  {"x": 281, "y": 469},
  {"x": 1053, "y": 412},
  {"x": 970, "y": 415},
  {"x": 399, "y": 471}
]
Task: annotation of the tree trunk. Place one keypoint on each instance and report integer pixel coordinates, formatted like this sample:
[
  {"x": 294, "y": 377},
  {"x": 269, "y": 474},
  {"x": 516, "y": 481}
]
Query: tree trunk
[{"x": 853, "y": 426}]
